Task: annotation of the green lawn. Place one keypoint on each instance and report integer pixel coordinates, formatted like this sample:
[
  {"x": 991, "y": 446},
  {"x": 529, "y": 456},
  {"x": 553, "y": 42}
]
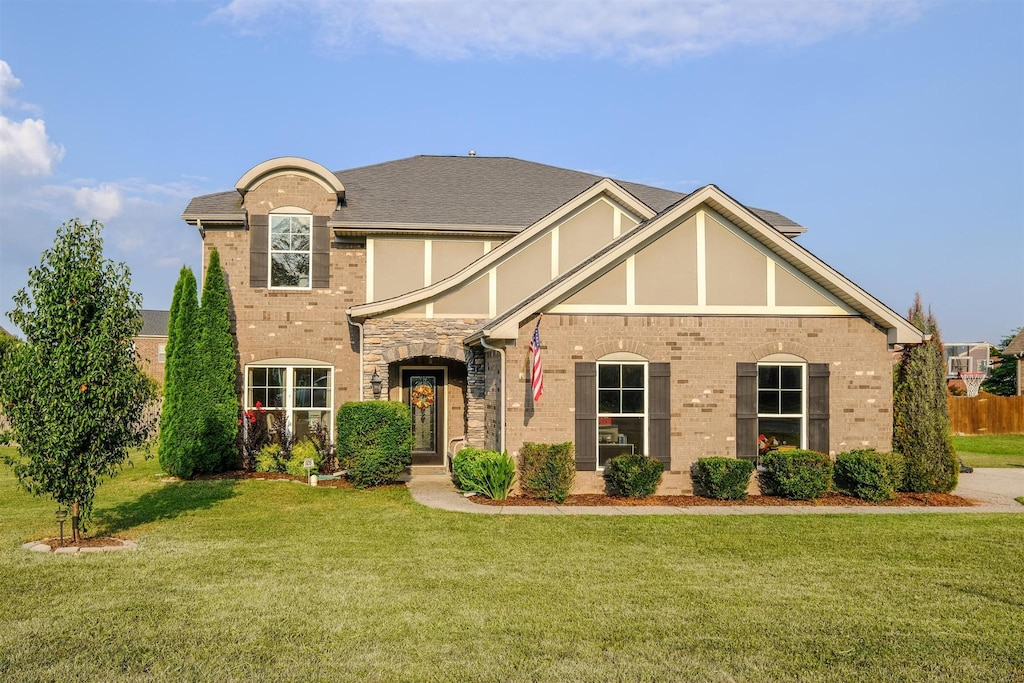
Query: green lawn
[
  {"x": 997, "y": 450},
  {"x": 259, "y": 580}
]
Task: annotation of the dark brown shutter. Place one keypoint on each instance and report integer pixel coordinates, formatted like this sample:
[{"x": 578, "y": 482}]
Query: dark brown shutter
[
  {"x": 660, "y": 419},
  {"x": 817, "y": 407},
  {"x": 586, "y": 417},
  {"x": 259, "y": 244},
  {"x": 746, "y": 410},
  {"x": 321, "y": 271}
]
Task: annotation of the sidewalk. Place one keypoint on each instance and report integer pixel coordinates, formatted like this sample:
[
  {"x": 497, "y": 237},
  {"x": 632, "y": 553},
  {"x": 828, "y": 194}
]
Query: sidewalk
[{"x": 993, "y": 489}]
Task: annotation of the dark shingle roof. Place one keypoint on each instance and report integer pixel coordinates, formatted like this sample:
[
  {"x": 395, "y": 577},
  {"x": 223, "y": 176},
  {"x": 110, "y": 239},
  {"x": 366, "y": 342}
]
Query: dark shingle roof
[
  {"x": 463, "y": 191},
  {"x": 154, "y": 323},
  {"x": 1016, "y": 345}
]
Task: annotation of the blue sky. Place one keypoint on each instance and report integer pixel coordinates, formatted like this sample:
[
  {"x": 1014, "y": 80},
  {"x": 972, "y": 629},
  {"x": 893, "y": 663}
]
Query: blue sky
[{"x": 893, "y": 130}]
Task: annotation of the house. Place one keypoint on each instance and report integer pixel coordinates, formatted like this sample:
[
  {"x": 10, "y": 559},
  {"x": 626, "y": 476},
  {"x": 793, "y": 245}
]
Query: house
[
  {"x": 675, "y": 325},
  {"x": 1016, "y": 349},
  {"x": 151, "y": 342}
]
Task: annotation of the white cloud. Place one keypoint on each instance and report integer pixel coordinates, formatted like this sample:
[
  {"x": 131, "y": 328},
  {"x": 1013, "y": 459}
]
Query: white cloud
[
  {"x": 25, "y": 149},
  {"x": 644, "y": 30},
  {"x": 8, "y": 84},
  {"x": 102, "y": 203}
]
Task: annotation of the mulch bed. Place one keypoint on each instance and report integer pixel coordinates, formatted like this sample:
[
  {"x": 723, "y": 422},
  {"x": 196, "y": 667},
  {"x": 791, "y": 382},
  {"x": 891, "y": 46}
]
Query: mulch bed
[
  {"x": 828, "y": 500},
  {"x": 101, "y": 542}
]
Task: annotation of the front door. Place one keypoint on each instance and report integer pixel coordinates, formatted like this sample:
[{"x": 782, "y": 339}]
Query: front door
[{"x": 423, "y": 391}]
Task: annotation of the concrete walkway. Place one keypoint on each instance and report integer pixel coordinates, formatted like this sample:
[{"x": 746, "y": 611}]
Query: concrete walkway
[{"x": 993, "y": 489}]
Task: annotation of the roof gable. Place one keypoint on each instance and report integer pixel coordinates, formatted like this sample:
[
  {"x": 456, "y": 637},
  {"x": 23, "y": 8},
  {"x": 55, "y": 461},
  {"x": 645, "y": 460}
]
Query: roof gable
[
  {"x": 799, "y": 267},
  {"x": 518, "y": 264}
]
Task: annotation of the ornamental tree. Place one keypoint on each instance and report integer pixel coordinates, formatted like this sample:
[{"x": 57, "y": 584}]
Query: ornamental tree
[
  {"x": 921, "y": 428},
  {"x": 216, "y": 352},
  {"x": 73, "y": 393},
  {"x": 180, "y": 418}
]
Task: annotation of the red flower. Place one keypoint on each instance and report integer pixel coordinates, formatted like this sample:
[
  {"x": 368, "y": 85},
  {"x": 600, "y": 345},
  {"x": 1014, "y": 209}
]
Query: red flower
[
  {"x": 259, "y": 405},
  {"x": 239, "y": 420},
  {"x": 84, "y": 387}
]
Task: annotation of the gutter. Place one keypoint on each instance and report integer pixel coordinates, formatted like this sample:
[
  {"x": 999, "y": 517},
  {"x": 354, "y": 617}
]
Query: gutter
[
  {"x": 501, "y": 375},
  {"x": 351, "y": 321}
]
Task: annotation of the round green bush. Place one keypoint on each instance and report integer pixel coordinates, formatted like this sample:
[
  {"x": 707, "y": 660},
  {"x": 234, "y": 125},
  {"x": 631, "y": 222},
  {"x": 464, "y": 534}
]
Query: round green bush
[
  {"x": 374, "y": 441},
  {"x": 722, "y": 478},
  {"x": 547, "y": 471},
  {"x": 300, "y": 451},
  {"x": 633, "y": 475},
  {"x": 797, "y": 474},
  {"x": 869, "y": 475}
]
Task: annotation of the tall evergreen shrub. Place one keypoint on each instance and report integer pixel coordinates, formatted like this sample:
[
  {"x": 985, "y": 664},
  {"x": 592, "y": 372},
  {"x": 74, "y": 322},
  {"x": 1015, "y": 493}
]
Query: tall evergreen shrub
[
  {"x": 181, "y": 419},
  {"x": 216, "y": 354},
  {"x": 921, "y": 429}
]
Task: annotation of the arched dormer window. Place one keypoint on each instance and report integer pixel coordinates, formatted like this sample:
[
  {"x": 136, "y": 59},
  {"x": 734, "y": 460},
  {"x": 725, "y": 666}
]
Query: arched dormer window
[{"x": 291, "y": 249}]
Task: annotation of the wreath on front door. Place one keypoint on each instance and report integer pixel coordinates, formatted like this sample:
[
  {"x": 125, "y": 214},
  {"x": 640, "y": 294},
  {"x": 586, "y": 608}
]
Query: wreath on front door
[{"x": 422, "y": 396}]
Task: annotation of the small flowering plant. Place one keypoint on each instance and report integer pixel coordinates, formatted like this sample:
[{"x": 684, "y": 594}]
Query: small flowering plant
[{"x": 255, "y": 434}]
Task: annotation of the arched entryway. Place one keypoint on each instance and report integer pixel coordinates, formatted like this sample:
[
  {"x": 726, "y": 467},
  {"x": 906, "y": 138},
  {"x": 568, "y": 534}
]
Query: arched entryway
[{"x": 435, "y": 391}]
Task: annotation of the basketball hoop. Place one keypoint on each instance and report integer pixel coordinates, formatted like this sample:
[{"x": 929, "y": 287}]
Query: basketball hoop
[{"x": 972, "y": 380}]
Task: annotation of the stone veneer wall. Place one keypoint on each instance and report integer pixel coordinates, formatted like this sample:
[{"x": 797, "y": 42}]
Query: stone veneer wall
[
  {"x": 389, "y": 340},
  {"x": 703, "y": 352}
]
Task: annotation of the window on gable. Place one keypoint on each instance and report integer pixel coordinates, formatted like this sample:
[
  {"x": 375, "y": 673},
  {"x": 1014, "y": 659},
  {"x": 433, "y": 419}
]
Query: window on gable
[
  {"x": 291, "y": 251},
  {"x": 301, "y": 395},
  {"x": 621, "y": 410},
  {"x": 781, "y": 405}
]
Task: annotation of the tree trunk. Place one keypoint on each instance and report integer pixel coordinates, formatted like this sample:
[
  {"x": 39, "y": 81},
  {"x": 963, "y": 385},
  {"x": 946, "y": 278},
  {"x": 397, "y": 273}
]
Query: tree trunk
[{"x": 75, "y": 511}]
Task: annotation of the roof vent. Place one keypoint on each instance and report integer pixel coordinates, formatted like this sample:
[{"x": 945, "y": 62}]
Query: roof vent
[{"x": 472, "y": 152}]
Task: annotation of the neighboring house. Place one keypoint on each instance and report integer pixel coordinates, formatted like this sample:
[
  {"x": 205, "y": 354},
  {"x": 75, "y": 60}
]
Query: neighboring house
[
  {"x": 1016, "y": 348},
  {"x": 676, "y": 325},
  {"x": 151, "y": 344}
]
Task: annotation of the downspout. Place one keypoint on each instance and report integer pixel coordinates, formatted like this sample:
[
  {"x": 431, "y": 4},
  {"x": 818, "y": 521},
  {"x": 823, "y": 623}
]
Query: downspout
[
  {"x": 361, "y": 371},
  {"x": 501, "y": 376}
]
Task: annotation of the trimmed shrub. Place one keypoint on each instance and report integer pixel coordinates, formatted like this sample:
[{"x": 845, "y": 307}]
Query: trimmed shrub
[
  {"x": 270, "y": 459},
  {"x": 868, "y": 474},
  {"x": 300, "y": 451},
  {"x": 466, "y": 467},
  {"x": 546, "y": 471},
  {"x": 215, "y": 353},
  {"x": 490, "y": 474},
  {"x": 797, "y": 474},
  {"x": 633, "y": 475},
  {"x": 374, "y": 441},
  {"x": 723, "y": 478}
]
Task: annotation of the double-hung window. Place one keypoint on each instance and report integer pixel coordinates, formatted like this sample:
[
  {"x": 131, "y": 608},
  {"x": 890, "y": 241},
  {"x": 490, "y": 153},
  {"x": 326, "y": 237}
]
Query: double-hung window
[
  {"x": 782, "y": 405},
  {"x": 621, "y": 410},
  {"x": 301, "y": 395},
  {"x": 291, "y": 250}
]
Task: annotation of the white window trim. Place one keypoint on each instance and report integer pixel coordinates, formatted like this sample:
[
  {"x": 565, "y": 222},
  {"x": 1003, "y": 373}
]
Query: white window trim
[
  {"x": 289, "y": 390},
  {"x": 597, "y": 394},
  {"x": 271, "y": 251},
  {"x": 161, "y": 352},
  {"x": 803, "y": 399}
]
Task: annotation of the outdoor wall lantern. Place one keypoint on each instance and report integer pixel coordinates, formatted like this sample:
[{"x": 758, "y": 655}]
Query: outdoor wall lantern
[{"x": 375, "y": 382}]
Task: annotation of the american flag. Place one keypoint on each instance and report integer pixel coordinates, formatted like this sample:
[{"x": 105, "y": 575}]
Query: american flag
[{"x": 537, "y": 376}]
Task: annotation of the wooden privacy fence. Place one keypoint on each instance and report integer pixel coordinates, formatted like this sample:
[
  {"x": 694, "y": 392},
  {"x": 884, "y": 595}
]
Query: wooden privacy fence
[{"x": 987, "y": 414}]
